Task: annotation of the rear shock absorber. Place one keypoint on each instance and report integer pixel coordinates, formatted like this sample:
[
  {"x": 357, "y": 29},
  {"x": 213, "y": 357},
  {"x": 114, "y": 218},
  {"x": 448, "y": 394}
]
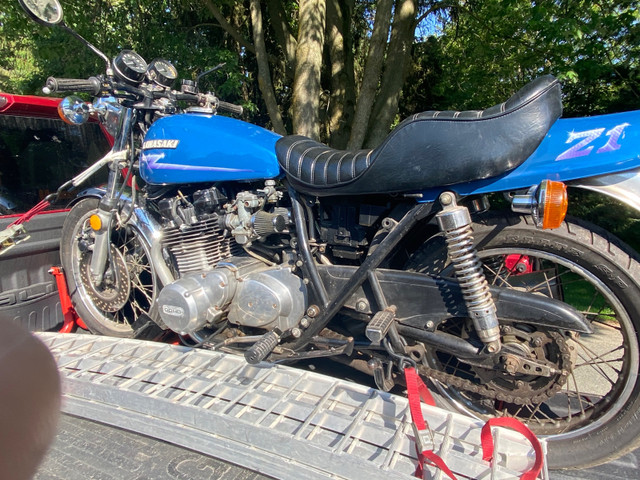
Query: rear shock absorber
[{"x": 455, "y": 222}]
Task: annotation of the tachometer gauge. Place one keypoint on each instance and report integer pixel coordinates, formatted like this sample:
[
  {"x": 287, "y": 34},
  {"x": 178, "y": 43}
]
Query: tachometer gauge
[
  {"x": 162, "y": 72},
  {"x": 130, "y": 67}
]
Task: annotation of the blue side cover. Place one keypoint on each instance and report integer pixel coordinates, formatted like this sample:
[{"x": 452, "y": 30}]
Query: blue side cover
[
  {"x": 574, "y": 148},
  {"x": 192, "y": 148}
]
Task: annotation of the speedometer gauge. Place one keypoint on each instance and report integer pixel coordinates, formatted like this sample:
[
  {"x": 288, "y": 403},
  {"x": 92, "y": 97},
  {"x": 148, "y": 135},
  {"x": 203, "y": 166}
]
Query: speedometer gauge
[
  {"x": 162, "y": 72},
  {"x": 130, "y": 67}
]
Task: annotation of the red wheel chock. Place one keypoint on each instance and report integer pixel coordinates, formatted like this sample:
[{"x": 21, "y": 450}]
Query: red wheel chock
[{"x": 71, "y": 318}]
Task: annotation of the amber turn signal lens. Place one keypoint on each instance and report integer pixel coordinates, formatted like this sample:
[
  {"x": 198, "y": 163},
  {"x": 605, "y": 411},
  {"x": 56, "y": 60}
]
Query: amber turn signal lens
[
  {"x": 63, "y": 117},
  {"x": 95, "y": 222},
  {"x": 553, "y": 203}
]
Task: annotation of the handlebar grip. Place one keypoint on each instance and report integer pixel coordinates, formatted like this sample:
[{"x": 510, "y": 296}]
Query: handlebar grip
[
  {"x": 91, "y": 85},
  {"x": 230, "y": 107}
]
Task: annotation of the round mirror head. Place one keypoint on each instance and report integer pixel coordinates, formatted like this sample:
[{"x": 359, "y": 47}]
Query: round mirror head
[
  {"x": 46, "y": 12},
  {"x": 74, "y": 110}
]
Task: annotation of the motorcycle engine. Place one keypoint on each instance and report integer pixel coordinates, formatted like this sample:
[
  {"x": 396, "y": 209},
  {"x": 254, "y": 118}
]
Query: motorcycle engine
[
  {"x": 242, "y": 288},
  {"x": 203, "y": 236},
  {"x": 205, "y": 227}
]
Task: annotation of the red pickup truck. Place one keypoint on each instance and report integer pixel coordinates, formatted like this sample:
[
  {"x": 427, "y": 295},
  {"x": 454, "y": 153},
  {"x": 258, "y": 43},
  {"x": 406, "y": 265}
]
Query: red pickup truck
[{"x": 38, "y": 153}]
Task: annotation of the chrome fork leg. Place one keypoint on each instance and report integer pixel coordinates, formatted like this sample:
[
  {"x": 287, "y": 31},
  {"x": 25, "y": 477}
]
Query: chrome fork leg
[{"x": 455, "y": 222}]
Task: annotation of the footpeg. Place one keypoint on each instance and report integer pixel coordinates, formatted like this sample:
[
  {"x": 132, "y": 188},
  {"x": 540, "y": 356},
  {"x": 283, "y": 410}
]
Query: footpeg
[
  {"x": 263, "y": 347},
  {"x": 380, "y": 324}
]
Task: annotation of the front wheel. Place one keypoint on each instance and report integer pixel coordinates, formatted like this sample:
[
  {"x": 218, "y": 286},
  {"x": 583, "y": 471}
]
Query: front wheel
[
  {"x": 590, "y": 412},
  {"x": 130, "y": 286}
]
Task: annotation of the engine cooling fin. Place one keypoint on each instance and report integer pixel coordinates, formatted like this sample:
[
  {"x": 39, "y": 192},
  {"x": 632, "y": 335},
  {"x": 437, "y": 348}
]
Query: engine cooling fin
[{"x": 199, "y": 247}]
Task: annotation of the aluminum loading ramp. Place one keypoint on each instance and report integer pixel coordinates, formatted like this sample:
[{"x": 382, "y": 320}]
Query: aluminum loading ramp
[{"x": 280, "y": 421}]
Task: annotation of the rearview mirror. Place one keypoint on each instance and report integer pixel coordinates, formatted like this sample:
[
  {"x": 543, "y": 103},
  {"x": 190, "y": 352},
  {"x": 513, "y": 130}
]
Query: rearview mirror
[{"x": 45, "y": 12}]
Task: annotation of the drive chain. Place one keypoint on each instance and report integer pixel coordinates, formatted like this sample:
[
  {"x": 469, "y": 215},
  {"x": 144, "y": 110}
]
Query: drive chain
[{"x": 486, "y": 391}]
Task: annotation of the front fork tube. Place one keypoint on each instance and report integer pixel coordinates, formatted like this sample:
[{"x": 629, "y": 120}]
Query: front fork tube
[
  {"x": 106, "y": 211},
  {"x": 455, "y": 222},
  {"x": 108, "y": 204},
  {"x": 101, "y": 244}
]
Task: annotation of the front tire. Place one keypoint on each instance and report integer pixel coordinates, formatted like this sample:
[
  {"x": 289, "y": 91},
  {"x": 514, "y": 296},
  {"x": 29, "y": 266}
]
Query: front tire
[
  {"x": 595, "y": 417},
  {"x": 108, "y": 309}
]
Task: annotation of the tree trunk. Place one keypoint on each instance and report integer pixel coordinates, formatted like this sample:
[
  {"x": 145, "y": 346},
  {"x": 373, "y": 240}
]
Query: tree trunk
[
  {"x": 371, "y": 76},
  {"x": 399, "y": 52},
  {"x": 342, "y": 99},
  {"x": 227, "y": 27},
  {"x": 282, "y": 33},
  {"x": 306, "y": 85},
  {"x": 264, "y": 74}
]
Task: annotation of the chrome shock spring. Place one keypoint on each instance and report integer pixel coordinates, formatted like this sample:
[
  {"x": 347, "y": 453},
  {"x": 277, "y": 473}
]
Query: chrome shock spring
[
  {"x": 468, "y": 269},
  {"x": 455, "y": 222}
]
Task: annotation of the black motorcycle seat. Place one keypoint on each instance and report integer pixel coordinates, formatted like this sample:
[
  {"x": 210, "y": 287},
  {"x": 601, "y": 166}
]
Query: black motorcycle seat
[{"x": 429, "y": 149}]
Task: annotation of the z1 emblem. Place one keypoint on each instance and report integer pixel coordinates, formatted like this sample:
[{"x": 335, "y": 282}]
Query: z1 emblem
[{"x": 584, "y": 147}]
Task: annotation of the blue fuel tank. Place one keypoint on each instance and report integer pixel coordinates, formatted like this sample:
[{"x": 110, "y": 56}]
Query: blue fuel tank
[{"x": 194, "y": 148}]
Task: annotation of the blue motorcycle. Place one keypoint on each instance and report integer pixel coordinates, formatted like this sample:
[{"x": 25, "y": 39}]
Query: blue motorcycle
[{"x": 284, "y": 249}]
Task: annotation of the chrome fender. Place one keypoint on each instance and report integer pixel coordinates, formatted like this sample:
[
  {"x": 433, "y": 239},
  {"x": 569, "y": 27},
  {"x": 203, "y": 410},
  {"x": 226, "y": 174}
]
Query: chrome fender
[{"x": 622, "y": 186}]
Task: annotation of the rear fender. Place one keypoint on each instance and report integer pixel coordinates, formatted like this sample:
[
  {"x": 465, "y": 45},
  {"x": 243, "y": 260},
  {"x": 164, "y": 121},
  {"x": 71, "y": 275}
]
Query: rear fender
[{"x": 624, "y": 186}]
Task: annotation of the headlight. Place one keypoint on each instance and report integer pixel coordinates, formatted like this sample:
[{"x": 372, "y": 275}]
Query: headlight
[{"x": 73, "y": 110}]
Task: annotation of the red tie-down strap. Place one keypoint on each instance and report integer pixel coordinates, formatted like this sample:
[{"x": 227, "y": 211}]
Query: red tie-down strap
[
  {"x": 487, "y": 443},
  {"x": 417, "y": 390}
]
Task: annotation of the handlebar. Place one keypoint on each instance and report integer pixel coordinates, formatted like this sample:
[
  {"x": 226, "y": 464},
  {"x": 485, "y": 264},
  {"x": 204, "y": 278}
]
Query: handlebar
[
  {"x": 94, "y": 86},
  {"x": 90, "y": 85}
]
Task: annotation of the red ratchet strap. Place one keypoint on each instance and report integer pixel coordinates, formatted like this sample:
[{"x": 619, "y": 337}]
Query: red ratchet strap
[
  {"x": 31, "y": 213},
  {"x": 416, "y": 390}
]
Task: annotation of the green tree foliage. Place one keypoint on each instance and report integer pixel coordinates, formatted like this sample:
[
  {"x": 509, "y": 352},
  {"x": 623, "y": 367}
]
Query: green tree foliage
[
  {"x": 180, "y": 31},
  {"x": 490, "y": 48},
  {"x": 297, "y": 66},
  {"x": 475, "y": 53}
]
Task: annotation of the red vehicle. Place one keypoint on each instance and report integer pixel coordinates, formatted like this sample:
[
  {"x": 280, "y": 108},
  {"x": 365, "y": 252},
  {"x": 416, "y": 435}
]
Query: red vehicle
[{"x": 38, "y": 153}]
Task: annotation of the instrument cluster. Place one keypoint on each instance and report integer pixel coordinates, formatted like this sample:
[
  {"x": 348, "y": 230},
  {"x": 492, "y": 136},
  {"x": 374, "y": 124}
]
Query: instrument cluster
[{"x": 131, "y": 68}]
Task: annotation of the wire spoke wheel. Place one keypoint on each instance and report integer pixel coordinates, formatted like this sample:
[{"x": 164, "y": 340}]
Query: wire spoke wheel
[
  {"x": 586, "y": 401},
  {"x": 599, "y": 369},
  {"x": 129, "y": 287}
]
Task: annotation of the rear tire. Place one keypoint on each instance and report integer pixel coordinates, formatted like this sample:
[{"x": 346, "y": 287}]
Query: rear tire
[
  {"x": 108, "y": 310},
  {"x": 595, "y": 417}
]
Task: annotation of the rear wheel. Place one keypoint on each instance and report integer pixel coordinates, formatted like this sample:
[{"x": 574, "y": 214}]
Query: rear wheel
[
  {"x": 588, "y": 403},
  {"x": 129, "y": 292}
]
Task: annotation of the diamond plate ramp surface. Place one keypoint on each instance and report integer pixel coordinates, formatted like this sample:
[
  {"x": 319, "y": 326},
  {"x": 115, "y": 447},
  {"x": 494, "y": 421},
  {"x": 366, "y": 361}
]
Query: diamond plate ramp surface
[{"x": 276, "y": 420}]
